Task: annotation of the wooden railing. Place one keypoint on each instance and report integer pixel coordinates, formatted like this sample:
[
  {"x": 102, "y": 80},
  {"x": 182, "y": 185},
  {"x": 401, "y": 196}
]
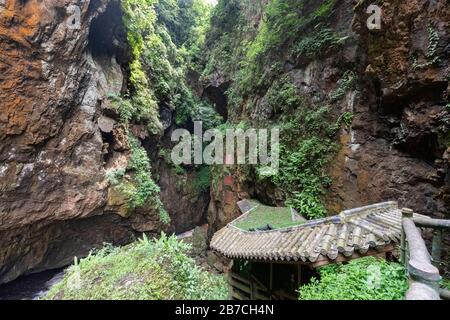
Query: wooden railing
[{"x": 421, "y": 266}]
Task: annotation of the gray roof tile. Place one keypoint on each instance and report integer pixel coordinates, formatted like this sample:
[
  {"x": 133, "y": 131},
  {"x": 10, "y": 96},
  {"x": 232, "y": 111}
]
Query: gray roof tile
[{"x": 353, "y": 231}]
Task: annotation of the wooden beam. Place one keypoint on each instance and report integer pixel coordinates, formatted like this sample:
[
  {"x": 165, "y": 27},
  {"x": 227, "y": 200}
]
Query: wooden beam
[{"x": 299, "y": 275}]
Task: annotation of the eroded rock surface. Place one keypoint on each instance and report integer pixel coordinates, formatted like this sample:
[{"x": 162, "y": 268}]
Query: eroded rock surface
[
  {"x": 397, "y": 145},
  {"x": 56, "y": 142}
]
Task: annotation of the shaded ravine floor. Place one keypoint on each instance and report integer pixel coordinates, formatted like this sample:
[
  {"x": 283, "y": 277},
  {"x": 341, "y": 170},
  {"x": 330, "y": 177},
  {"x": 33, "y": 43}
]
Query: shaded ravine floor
[{"x": 31, "y": 287}]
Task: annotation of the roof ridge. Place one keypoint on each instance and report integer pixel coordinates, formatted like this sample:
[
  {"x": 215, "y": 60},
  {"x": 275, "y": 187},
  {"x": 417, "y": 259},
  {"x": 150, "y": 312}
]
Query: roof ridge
[{"x": 343, "y": 217}]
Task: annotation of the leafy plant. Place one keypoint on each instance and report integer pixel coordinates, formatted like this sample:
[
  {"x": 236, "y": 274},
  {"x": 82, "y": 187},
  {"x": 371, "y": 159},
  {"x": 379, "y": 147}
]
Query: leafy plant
[
  {"x": 115, "y": 176},
  {"x": 140, "y": 189},
  {"x": 445, "y": 283},
  {"x": 145, "y": 270},
  {"x": 316, "y": 44},
  {"x": 202, "y": 182},
  {"x": 362, "y": 279},
  {"x": 433, "y": 43},
  {"x": 432, "y": 54},
  {"x": 302, "y": 177},
  {"x": 344, "y": 84}
]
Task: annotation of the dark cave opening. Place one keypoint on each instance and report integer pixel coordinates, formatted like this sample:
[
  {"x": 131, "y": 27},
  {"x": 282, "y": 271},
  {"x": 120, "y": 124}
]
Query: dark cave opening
[
  {"x": 395, "y": 102},
  {"x": 402, "y": 111},
  {"x": 108, "y": 140},
  {"x": 424, "y": 147},
  {"x": 107, "y": 35},
  {"x": 217, "y": 96}
]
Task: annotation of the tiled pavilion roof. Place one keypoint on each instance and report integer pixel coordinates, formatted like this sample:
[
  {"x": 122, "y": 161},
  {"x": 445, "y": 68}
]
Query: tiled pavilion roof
[{"x": 353, "y": 233}]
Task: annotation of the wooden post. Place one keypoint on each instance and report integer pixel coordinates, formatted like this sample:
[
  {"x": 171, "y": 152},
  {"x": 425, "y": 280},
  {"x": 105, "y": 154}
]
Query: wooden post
[
  {"x": 230, "y": 287},
  {"x": 271, "y": 280},
  {"x": 437, "y": 248},
  {"x": 252, "y": 283},
  {"x": 406, "y": 213}
]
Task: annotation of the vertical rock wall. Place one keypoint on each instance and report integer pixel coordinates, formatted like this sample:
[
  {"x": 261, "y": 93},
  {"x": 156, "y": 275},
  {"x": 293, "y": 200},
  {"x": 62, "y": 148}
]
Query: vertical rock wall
[
  {"x": 58, "y": 134},
  {"x": 397, "y": 145}
]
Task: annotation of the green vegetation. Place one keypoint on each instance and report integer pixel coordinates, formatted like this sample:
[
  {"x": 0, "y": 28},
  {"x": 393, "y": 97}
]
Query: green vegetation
[
  {"x": 202, "y": 181},
  {"x": 140, "y": 18},
  {"x": 432, "y": 55},
  {"x": 308, "y": 127},
  {"x": 344, "y": 84},
  {"x": 362, "y": 279},
  {"x": 139, "y": 189},
  {"x": 316, "y": 45},
  {"x": 306, "y": 145},
  {"x": 284, "y": 21},
  {"x": 276, "y": 217},
  {"x": 433, "y": 43},
  {"x": 166, "y": 37},
  {"x": 145, "y": 270},
  {"x": 445, "y": 283}
]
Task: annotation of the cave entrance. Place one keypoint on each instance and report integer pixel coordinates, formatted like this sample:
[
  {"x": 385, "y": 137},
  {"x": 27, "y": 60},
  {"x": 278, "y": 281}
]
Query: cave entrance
[
  {"x": 216, "y": 95},
  {"x": 107, "y": 35}
]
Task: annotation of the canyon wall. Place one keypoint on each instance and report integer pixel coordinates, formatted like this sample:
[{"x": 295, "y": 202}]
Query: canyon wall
[
  {"x": 396, "y": 146},
  {"x": 60, "y": 134}
]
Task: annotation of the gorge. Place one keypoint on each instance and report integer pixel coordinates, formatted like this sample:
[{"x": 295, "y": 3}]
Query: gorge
[{"x": 92, "y": 90}]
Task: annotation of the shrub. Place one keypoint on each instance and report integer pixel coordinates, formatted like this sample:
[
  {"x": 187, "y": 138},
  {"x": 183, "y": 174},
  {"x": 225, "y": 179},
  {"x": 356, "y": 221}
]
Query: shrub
[
  {"x": 301, "y": 176},
  {"x": 362, "y": 279},
  {"x": 145, "y": 270}
]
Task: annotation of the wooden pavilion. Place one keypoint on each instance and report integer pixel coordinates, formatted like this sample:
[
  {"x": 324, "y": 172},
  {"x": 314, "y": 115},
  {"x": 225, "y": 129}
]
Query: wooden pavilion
[{"x": 273, "y": 263}]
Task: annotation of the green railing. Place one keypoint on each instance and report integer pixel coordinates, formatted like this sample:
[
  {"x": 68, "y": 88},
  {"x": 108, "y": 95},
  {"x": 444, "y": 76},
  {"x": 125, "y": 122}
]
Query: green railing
[{"x": 422, "y": 267}]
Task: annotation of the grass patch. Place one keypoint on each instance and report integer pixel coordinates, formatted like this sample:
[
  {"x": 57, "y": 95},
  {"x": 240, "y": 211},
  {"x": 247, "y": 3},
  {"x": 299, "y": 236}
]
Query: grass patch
[
  {"x": 145, "y": 270},
  {"x": 276, "y": 217}
]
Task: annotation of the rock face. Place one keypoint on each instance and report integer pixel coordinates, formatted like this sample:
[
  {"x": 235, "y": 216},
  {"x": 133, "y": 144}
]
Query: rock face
[
  {"x": 397, "y": 145},
  {"x": 59, "y": 135},
  {"x": 58, "y": 62}
]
